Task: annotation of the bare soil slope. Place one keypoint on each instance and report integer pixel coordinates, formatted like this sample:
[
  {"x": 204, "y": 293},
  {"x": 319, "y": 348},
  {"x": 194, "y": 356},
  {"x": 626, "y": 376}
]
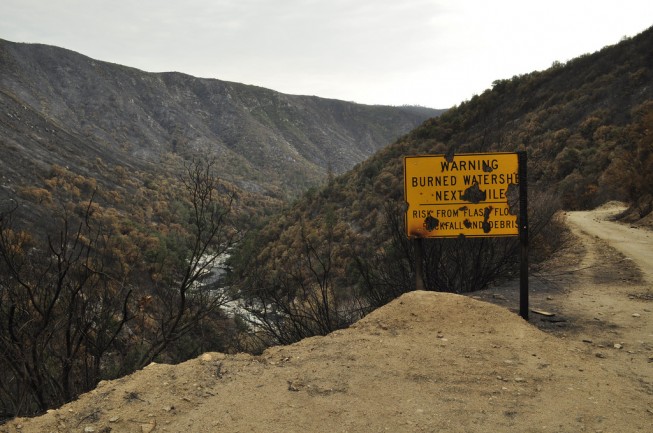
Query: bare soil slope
[{"x": 427, "y": 362}]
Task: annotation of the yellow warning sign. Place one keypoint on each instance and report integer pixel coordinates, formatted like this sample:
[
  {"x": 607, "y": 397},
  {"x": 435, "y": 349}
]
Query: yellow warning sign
[{"x": 473, "y": 195}]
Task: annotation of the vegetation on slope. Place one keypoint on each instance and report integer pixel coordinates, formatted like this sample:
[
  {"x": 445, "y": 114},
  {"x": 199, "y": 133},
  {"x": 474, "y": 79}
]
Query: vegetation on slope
[
  {"x": 341, "y": 250},
  {"x": 96, "y": 295},
  {"x": 110, "y": 229}
]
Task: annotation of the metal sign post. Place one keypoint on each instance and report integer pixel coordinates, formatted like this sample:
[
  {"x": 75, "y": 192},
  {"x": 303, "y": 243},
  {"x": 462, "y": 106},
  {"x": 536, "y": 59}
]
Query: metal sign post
[
  {"x": 523, "y": 236},
  {"x": 419, "y": 264}
]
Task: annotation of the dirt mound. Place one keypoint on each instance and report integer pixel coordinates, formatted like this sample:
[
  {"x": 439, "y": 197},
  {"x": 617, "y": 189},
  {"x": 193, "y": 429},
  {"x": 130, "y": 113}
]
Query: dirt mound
[
  {"x": 612, "y": 206},
  {"x": 425, "y": 362}
]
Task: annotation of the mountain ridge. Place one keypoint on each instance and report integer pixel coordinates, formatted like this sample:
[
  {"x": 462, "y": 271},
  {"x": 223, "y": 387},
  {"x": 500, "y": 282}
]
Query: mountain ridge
[{"x": 254, "y": 133}]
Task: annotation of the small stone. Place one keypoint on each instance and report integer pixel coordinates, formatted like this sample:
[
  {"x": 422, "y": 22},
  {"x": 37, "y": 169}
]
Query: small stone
[
  {"x": 587, "y": 340},
  {"x": 114, "y": 419},
  {"x": 89, "y": 429},
  {"x": 599, "y": 355},
  {"x": 520, "y": 379},
  {"x": 147, "y": 428},
  {"x": 618, "y": 346},
  {"x": 635, "y": 314}
]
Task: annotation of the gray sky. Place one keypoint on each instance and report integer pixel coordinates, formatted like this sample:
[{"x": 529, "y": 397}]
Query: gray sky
[{"x": 435, "y": 53}]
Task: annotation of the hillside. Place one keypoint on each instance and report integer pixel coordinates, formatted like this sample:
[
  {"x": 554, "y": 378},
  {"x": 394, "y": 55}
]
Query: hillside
[
  {"x": 60, "y": 107},
  {"x": 587, "y": 127},
  {"x": 425, "y": 362},
  {"x": 120, "y": 193}
]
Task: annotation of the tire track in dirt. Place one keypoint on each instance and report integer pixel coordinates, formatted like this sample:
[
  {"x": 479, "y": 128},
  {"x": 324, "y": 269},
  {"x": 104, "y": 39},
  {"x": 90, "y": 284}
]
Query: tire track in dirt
[
  {"x": 608, "y": 297},
  {"x": 634, "y": 243},
  {"x": 599, "y": 293}
]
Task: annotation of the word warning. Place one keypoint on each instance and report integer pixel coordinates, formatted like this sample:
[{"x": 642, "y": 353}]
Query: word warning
[{"x": 475, "y": 195}]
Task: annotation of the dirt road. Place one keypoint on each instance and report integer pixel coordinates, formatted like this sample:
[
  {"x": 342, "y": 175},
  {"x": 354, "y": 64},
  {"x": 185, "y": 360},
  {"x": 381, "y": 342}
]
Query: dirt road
[
  {"x": 634, "y": 243},
  {"x": 608, "y": 297}
]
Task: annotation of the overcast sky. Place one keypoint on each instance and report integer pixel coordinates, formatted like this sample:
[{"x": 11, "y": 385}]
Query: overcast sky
[{"x": 435, "y": 53}]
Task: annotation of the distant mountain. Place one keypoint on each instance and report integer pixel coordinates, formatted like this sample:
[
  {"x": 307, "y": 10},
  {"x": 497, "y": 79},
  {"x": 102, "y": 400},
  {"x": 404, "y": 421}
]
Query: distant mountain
[{"x": 60, "y": 107}]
